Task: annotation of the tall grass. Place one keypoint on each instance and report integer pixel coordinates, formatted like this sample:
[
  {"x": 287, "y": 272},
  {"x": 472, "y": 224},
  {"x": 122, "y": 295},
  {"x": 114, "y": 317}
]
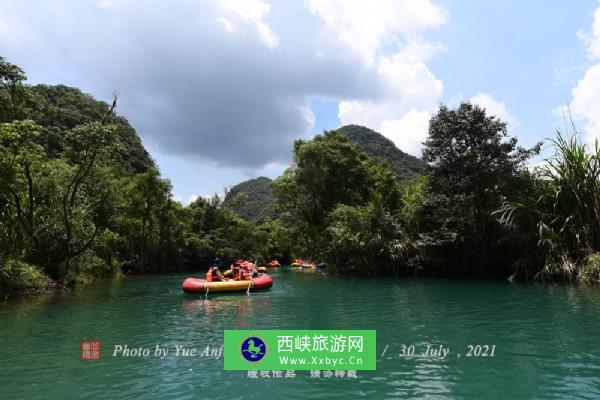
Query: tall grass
[{"x": 565, "y": 207}]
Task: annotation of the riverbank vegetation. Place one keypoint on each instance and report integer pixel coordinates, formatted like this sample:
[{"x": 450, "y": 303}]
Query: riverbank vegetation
[
  {"x": 560, "y": 212},
  {"x": 80, "y": 199}
]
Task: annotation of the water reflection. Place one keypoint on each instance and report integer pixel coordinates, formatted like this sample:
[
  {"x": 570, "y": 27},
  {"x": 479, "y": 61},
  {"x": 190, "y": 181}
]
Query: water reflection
[{"x": 237, "y": 308}]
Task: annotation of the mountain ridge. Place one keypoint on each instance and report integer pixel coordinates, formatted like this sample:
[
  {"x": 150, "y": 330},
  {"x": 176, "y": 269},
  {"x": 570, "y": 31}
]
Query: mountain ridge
[
  {"x": 259, "y": 199},
  {"x": 380, "y": 148}
]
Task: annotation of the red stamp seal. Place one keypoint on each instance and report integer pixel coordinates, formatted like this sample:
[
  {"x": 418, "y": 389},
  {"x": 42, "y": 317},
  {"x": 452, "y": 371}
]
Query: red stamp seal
[{"x": 90, "y": 350}]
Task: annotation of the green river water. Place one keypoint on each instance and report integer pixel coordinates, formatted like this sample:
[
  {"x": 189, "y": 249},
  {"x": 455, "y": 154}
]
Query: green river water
[{"x": 547, "y": 343}]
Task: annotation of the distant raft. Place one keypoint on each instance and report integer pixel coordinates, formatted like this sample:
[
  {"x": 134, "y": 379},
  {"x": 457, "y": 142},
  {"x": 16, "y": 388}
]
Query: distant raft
[
  {"x": 307, "y": 264},
  {"x": 194, "y": 285},
  {"x": 300, "y": 263}
]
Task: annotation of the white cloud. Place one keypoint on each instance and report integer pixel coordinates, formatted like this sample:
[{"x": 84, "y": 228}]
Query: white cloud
[
  {"x": 408, "y": 132},
  {"x": 227, "y": 24},
  {"x": 402, "y": 113},
  {"x": 494, "y": 107},
  {"x": 585, "y": 103},
  {"x": 591, "y": 39},
  {"x": 253, "y": 11},
  {"x": 365, "y": 26}
]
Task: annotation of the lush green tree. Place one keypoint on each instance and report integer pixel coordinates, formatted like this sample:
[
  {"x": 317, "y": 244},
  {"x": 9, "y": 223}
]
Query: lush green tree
[
  {"x": 328, "y": 171},
  {"x": 208, "y": 214},
  {"x": 21, "y": 163},
  {"x": 60, "y": 206},
  {"x": 473, "y": 166},
  {"x": 87, "y": 147},
  {"x": 151, "y": 221},
  {"x": 367, "y": 239},
  {"x": 412, "y": 200},
  {"x": 280, "y": 240},
  {"x": 12, "y": 90}
]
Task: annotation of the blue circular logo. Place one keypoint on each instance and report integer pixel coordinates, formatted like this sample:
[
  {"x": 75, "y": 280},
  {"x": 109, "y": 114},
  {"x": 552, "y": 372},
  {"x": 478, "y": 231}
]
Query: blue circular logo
[{"x": 253, "y": 349}]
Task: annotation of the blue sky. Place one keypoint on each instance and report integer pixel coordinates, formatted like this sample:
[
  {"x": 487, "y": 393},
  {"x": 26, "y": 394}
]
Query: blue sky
[
  {"x": 525, "y": 54},
  {"x": 218, "y": 90}
]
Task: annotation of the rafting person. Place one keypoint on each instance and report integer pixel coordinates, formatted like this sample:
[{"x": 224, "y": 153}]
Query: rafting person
[
  {"x": 235, "y": 269},
  {"x": 244, "y": 273},
  {"x": 213, "y": 274}
]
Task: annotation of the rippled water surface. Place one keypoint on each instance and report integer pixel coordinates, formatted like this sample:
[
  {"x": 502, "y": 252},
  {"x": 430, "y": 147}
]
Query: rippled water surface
[{"x": 547, "y": 339}]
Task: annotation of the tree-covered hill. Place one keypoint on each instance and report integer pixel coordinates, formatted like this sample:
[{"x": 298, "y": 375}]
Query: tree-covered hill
[
  {"x": 251, "y": 199},
  {"x": 79, "y": 195},
  {"x": 58, "y": 108},
  {"x": 380, "y": 148},
  {"x": 258, "y": 199}
]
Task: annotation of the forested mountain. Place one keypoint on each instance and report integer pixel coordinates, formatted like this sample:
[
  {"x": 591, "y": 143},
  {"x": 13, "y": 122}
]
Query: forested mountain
[
  {"x": 60, "y": 108},
  {"x": 256, "y": 199},
  {"x": 380, "y": 148}
]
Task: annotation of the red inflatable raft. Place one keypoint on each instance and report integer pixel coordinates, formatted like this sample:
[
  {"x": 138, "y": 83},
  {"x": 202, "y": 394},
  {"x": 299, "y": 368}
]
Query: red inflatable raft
[{"x": 194, "y": 285}]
